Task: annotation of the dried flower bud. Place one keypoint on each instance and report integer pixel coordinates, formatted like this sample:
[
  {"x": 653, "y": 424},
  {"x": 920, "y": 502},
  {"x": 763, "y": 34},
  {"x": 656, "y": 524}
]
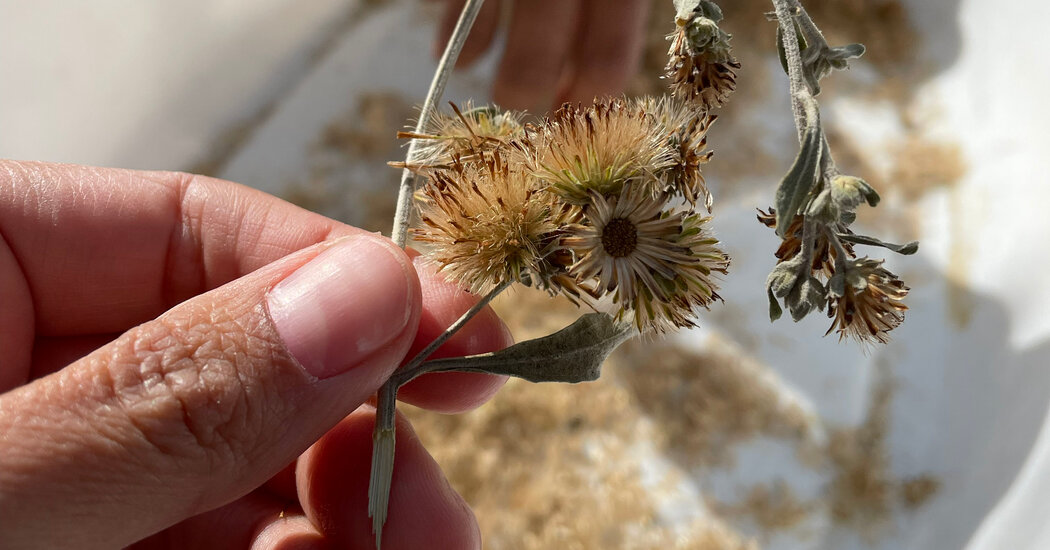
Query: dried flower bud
[
  {"x": 462, "y": 134},
  {"x": 656, "y": 264},
  {"x": 866, "y": 301},
  {"x": 488, "y": 224},
  {"x": 700, "y": 65},
  {"x": 599, "y": 149}
]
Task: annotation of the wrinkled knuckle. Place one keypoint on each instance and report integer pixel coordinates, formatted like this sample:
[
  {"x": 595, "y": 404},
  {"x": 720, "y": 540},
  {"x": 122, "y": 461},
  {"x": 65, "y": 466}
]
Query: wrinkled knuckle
[{"x": 185, "y": 386}]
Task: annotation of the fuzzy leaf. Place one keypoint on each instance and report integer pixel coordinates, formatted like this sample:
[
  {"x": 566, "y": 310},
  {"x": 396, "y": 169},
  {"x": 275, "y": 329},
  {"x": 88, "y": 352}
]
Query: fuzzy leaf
[
  {"x": 906, "y": 248},
  {"x": 711, "y": 10},
  {"x": 774, "y": 307},
  {"x": 842, "y": 53},
  {"x": 685, "y": 8},
  {"x": 800, "y": 180},
  {"x": 805, "y": 297},
  {"x": 573, "y": 354},
  {"x": 782, "y": 49},
  {"x": 784, "y": 276},
  {"x": 849, "y": 192},
  {"x": 823, "y": 208}
]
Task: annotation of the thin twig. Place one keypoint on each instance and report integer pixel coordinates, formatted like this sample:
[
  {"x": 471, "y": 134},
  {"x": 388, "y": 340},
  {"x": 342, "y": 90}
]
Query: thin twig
[
  {"x": 449, "y": 332},
  {"x": 403, "y": 214}
]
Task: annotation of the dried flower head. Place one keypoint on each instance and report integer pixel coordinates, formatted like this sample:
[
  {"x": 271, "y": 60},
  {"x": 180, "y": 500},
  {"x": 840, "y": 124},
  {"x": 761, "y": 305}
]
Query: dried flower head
[
  {"x": 599, "y": 149},
  {"x": 462, "y": 134},
  {"x": 824, "y": 255},
  {"x": 685, "y": 129},
  {"x": 656, "y": 264},
  {"x": 867, "y": 302},
  {"x": 488, "y": 224},
  {"x": 700, "y": 64}
]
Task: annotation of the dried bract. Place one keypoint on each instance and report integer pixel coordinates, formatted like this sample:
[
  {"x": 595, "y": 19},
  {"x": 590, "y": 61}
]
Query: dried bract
[
  {"x": 687, "y": 137},
  {"x": 824, "y": 255},
  {"x": 867, "y": 302}
]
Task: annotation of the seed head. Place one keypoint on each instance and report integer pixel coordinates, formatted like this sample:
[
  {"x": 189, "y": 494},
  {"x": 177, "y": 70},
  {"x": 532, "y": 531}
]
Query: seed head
[
  {"x": 578, "y": 151},
  {"x": 700, "y": 65},
  {"x": 867, "y": 303},
  {"x": 685, "y": 131},
  {"x": 488, "y": 223},
  {"x": 462, "y": 134},
  {"x": 656, "y": 264}
]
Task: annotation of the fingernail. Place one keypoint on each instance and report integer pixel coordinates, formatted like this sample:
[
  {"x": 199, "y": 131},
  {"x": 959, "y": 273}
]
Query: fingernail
[{"x": 341, "y": 306}]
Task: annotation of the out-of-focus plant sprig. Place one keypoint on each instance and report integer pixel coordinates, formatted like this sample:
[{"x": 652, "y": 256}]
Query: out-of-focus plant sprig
[{"x": 815, "y": 205}]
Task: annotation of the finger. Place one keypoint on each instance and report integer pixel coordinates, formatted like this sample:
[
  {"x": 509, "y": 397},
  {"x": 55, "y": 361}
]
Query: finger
[
  {"x": 255, "y": 521},
  {"x": 443, "y": 303},
  {"x": 424, "y": 511},
  {"x": 539, "y": 39},
  {"x": 481, "y": 34},
  {"x": 294, "y": 532},
  {"x": 609, "y": 48},
  {"x": 454, "y": 391},
  {"x": 190, "y": 411}
]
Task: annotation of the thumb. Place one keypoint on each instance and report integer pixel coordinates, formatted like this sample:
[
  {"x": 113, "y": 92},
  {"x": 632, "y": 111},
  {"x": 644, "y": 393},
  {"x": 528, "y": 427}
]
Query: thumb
[{"x": 200, "y": 406}]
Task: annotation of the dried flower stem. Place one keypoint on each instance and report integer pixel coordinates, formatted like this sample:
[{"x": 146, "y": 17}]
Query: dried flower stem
[
  {"x": 403, "y": 214},
  {"x": 386, "y": 400},
  {"x": 804, "y": 104},
  {"x": 799, "y": 91},
  {"x": 840, "y": 252},
  {"x": 383, "y": 436}
]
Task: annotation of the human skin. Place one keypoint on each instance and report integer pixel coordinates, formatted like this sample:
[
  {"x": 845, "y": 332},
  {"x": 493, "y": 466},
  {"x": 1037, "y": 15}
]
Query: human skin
[
  {"x": 187, "y": 363},
  {"x": 557, "y": 50}
]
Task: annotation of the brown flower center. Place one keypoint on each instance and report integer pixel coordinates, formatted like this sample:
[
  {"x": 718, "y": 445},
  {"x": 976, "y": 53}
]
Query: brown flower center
[{"x": 620, "y": 237}]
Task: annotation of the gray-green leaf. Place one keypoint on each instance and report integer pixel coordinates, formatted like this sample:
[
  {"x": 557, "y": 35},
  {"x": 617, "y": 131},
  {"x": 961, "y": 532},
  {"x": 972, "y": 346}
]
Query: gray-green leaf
[
  {"x": 774, "y": 307},
  {"x": 805, "y": 297},
  {"x": 906, "y": 248},
  {"x": 573, "y": 354},
  {"x": 800, "y": 180},
  {"x": 685, "y": 8}
]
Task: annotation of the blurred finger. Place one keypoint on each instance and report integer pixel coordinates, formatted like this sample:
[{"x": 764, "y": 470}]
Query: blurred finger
[
  {"x": 539, "y": 40},
  {"x": 291, "y": 532},
  {"x": 609, "y": 48},
  {"x": 425, "y": 512},
  {"x": 481, "y": 34},
  {"x": 254, "y": 521}
]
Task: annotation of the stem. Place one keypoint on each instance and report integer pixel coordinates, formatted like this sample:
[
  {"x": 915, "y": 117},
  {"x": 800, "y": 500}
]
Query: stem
[
  {"x": 449, "y": 332},
  {"x": 383, "y": 438},
  {"x": 799, "y": 90},
  {"x": 840, "y": 251},
  {"x": 403, "y": 214},
  {"x": 809, "y": 239}
]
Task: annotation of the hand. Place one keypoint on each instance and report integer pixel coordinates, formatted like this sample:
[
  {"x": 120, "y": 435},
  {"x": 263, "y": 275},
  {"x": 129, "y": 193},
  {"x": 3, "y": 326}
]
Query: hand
[
  {"x": 185, "y": 363},
  {"x": 557, "y": 50}
]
